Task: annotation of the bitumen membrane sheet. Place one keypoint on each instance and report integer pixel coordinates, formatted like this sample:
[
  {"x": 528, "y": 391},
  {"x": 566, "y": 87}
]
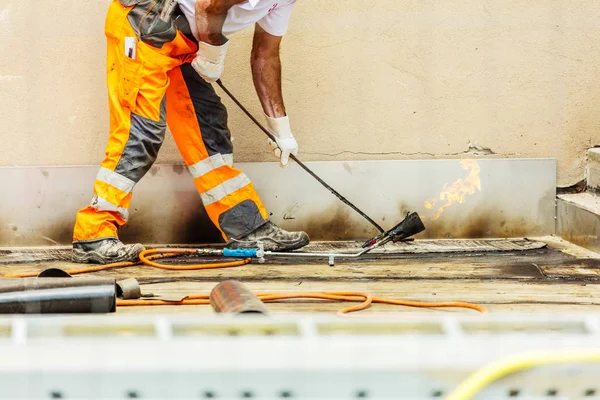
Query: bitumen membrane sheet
[{"x": 544, "y": 274}]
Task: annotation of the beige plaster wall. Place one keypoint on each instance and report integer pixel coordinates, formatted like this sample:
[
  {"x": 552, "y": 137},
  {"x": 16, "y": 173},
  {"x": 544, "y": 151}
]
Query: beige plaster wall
[{"x": 385, "y": 79}]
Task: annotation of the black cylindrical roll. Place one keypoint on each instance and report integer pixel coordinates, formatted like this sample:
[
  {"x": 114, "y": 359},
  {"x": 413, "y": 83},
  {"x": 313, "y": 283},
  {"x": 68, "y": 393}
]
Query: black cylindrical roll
[
  {"x": 232, "y": 297},
  {"x": 57, "y": 295}
]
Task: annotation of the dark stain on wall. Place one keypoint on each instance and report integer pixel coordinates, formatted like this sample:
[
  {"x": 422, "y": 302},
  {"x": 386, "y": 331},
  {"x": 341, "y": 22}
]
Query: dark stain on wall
[
  {"x": 336, "y": 224},
  {"x": 478, "y": 224},
  {"x": 198, "y": 228},
  {"x": 341, "y": 224},
  {"x": 191, "y": 226}
]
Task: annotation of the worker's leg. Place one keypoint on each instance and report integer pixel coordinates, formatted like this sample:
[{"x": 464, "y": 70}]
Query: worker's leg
[
  {"x": 137, "y": 82},
  {"x": 198, "y": 121}
]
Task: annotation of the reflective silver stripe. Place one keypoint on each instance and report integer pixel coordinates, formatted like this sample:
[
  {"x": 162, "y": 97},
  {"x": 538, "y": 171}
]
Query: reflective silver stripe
[
  {"x": 212, "y": 162},
  {"x": 112, "y": 178},
  {"x": 101, "y": 204},
  {"x": 224, "y": 189}
]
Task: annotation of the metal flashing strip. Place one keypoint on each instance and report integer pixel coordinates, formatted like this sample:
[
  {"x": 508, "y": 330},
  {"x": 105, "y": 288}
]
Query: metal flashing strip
[
  {"x": 515, "y": 198},
  {"x": 578, "y": 222}
]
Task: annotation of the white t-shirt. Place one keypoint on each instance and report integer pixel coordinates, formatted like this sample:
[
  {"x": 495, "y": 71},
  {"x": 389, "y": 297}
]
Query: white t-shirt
[{"x": 272, "y": 15}]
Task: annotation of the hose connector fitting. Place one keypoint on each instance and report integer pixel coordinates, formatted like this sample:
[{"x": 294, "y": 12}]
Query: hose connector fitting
[{"x": 240, "y": 253}]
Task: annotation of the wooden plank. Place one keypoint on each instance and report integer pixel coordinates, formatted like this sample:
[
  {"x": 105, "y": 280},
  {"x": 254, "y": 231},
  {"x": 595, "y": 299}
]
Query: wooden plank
[
  {"x": 426, "y": 290},
  {"x": 495, "y": 296},
  {"x": 484, "y": 292}
]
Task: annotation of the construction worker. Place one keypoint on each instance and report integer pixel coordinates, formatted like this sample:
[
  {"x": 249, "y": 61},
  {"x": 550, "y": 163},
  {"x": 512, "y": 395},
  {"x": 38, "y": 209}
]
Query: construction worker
[{"x": 162, "y": 58}]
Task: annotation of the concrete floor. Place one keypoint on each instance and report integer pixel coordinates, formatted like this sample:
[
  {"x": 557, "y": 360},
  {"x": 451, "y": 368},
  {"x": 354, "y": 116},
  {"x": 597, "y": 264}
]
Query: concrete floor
[{"x": 541, "y": 275}]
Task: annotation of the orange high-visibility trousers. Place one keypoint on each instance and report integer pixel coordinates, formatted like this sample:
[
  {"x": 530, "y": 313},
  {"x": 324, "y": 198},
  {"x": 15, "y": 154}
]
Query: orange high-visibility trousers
[{"x": 151, "y": 84}]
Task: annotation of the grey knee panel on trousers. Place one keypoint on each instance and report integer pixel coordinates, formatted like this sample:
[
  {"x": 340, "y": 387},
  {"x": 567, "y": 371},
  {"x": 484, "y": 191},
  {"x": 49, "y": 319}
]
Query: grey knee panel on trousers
[
  {"x": 145, "y": 140},
  {"x": 241, "y": 219}
]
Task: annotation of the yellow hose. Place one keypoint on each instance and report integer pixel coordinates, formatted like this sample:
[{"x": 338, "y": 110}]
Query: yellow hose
[{"x": 486, "y": 375}]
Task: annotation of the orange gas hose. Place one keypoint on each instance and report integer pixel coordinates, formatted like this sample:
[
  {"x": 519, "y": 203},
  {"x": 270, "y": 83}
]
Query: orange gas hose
[
  {"x": 192, "y": 267},
  {"x": 408, "y": 303},
  {"x": 77, "y": 271},
  {"x": 366, "y": 300},
  {"x": 146, "y": 258}
]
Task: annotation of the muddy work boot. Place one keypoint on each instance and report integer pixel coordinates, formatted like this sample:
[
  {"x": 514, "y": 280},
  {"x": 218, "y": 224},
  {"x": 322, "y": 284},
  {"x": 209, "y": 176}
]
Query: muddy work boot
[
  {"x": 106, "y": 251},
  {"x": 272, "y": 237}
]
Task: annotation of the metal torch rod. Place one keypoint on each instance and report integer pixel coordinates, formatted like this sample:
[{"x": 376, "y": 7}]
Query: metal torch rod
[
  {"x": 321, "y": 255},
  {"x": 316, "y": 255}
]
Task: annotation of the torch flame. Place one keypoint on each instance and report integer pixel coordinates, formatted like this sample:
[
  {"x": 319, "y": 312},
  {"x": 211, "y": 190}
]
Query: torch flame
[{"x": 458, "y": 191}]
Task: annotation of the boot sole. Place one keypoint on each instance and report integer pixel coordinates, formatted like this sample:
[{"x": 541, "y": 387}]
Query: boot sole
[
  {"x": 93, "y": 257},
  {"x": 271, "y": 245}
]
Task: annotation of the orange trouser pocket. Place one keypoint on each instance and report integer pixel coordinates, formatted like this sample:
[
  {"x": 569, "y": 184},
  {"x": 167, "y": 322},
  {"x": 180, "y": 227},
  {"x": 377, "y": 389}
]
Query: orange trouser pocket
[{"x": 129, "y": 80}]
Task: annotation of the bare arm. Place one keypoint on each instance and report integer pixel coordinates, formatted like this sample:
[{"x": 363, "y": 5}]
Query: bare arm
[
  {"x": 210, "y": 16},
  {"x": 266, "y": 72}
]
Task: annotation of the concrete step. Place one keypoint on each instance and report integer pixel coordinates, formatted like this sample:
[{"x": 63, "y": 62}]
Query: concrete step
[
  {"x": 593, "y": 169},
  {"x": 578, "y": 218}
]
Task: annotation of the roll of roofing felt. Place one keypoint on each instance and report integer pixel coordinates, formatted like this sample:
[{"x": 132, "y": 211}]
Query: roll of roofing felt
[{"x": 57, "y": 295}]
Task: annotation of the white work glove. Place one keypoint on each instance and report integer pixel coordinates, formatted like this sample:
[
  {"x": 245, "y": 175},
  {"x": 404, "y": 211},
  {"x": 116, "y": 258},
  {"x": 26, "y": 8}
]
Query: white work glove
[
  {"x": 285, "y": 143},
  {"x": 210, "y": 60}
]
